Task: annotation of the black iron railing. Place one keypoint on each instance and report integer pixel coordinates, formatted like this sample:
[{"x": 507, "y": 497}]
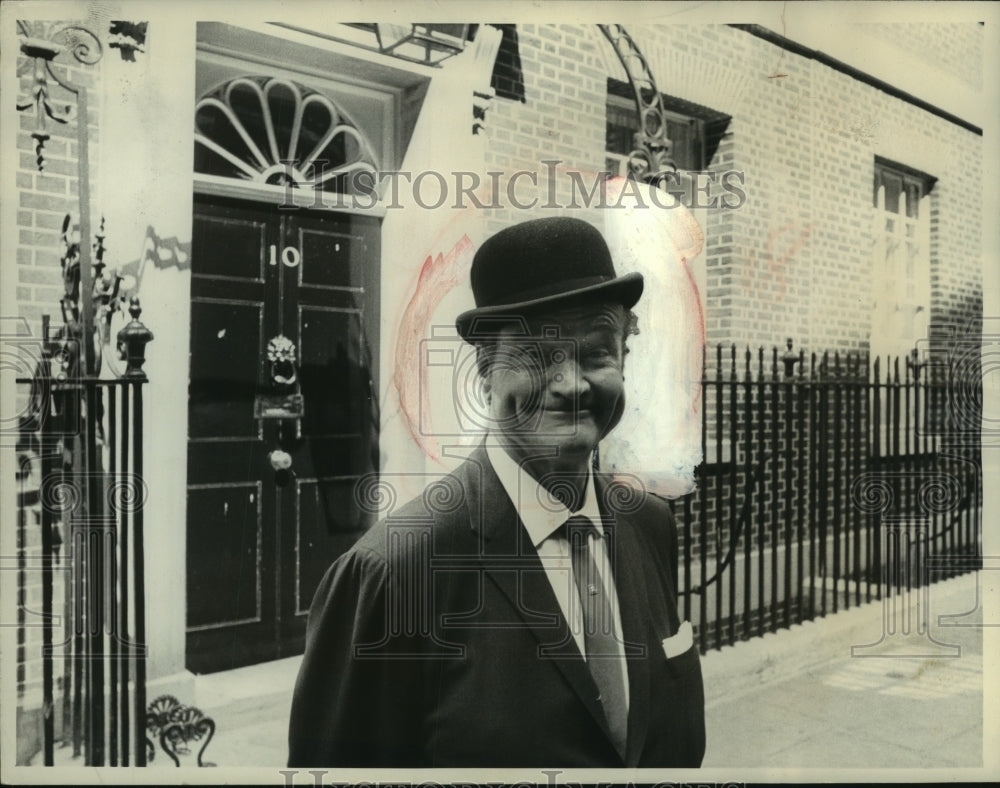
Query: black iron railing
[
  {"x": 81, "y": 678},
  {"x": 826, "y": 483},
  {"x": 81, "y": 659}
]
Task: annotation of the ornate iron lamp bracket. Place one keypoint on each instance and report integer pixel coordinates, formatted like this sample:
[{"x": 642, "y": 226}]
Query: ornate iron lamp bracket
[
  {"x": 41, "y": 43},
  {"x": 651, "y": 158}
]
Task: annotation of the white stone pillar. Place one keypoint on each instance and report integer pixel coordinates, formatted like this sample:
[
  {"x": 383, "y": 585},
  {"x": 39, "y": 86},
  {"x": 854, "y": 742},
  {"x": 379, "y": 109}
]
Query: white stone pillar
[{"x": 146, "y": 197}]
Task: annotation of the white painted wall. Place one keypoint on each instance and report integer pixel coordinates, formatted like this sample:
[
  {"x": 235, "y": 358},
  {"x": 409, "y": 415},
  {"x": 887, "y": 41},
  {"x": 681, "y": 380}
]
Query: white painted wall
[
  {"x": 426, "y": 254},
  {"x": 145, "y": 182}
]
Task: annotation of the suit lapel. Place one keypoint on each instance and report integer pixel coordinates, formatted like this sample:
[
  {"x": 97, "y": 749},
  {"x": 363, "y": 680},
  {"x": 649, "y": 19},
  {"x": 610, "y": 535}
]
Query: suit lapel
[
  {"x": 512, "y": 564},
  {"x": 627, "y": 561}
]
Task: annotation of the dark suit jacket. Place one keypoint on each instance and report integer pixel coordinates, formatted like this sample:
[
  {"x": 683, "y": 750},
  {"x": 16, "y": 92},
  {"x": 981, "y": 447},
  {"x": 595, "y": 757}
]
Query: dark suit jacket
[{"x": 437, "y": 641}]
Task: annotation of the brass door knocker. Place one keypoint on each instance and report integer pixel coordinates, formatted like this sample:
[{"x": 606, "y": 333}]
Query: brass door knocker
[
  {"x": 280, "y": 397},
  {"x": 281, "y": 356}
]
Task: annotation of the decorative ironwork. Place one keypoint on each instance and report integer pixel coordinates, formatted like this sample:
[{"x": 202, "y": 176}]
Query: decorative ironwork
[
  {"x": 105, "y": 295},
  {"x": 175, "y": 726},
  {"x": 915, "y": 362},
  {"x": 281, "y": 355},
  {"x": 790, "y": 358},
  {"x": 651, "y": 159},
  {"x": 281, "y": 350},
  {"x": 132, "y": 341},
  {"x": 275, "y": 131},
  {"x": 70, "y": 262},
  {"x": 41, "y": 43},
  {"x": 820, "y": 491},
  {"x": 128, "y": 38},
  {"x": 281, "y": 398}
]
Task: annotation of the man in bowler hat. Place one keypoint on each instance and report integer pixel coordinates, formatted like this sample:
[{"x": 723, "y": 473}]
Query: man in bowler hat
[{"x": 523, "y": 611}]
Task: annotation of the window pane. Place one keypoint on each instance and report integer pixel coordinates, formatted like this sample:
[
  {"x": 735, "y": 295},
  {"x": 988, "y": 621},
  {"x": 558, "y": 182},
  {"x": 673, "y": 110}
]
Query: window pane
[
  {"x": 912, "y": 200},
  {"x": 616, "y": 166},
  {"x": 685, "y": 133},
  {"x": 900, "y": 263},
  {"x": 893, "y": 186},
  {"x": 622, "y": 124},
  {"x": 686, "y": 137}
]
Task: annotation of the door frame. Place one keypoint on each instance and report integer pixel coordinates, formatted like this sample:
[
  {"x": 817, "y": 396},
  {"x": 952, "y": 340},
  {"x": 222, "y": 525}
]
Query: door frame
[
  {"x": 217, "y": 57},
  {"x": 272, "y": 196}
]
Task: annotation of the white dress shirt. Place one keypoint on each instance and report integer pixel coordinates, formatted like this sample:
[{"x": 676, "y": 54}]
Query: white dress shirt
[{"x": 543, "y": 516}]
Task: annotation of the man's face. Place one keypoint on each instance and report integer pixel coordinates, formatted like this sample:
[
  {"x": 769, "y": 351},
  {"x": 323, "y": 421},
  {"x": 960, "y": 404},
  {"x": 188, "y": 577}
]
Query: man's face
[{"x": 560, "y": 387}]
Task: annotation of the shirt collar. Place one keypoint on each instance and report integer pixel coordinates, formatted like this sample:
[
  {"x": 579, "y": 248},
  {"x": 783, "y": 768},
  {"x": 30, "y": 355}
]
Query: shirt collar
[{"x": 541, "y": 514}]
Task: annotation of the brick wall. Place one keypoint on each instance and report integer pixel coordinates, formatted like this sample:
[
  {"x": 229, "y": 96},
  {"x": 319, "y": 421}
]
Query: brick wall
[
  {"x": 956, "y": 255},
  {"x": 954, "y": 48},
  {"x": 795, "y": 259},
  {"x": 562, "y": 117}
]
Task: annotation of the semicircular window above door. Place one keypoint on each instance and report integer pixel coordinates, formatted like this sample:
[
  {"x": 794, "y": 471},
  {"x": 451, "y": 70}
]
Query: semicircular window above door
[{"x": 273, "y": 131}]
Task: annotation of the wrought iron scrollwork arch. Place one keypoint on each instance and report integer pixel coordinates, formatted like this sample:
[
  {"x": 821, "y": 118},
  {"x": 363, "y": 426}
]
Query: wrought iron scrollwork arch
[{"x": 651, "y": 159}]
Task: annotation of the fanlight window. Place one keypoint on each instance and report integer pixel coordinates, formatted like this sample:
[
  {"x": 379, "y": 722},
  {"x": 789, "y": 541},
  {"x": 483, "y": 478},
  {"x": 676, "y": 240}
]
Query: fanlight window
[{"x": 274, "y": 131}]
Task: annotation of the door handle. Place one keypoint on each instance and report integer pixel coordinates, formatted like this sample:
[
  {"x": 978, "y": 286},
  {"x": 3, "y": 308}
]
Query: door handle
[
  {"x": 281, "y": 463},
  {"x": 280, "y": 460}
]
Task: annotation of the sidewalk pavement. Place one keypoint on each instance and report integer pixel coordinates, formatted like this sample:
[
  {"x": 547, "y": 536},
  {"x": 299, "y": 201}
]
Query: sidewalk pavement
[
  {"x": 794, "y": 698},
  {"x": 804, "y": 697}
]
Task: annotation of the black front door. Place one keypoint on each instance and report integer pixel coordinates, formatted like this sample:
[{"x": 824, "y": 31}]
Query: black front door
[{"x": 304, "y": 284}]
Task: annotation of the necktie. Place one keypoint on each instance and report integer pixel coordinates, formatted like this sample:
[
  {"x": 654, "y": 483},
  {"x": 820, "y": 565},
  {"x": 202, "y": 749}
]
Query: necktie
[{"x": 603, "y": 654}]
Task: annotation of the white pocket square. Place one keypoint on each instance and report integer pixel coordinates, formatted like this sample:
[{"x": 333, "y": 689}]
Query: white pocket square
[{"x": 677, "y": 644}]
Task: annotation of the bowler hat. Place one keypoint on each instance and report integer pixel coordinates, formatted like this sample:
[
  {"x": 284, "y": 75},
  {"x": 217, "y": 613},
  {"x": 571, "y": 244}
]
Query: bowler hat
[{"x": 540, "y": 264}]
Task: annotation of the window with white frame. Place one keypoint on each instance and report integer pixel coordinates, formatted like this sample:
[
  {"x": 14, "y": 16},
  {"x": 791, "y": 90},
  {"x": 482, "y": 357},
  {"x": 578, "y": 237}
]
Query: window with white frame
[{"x": 901, "y": 277}]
